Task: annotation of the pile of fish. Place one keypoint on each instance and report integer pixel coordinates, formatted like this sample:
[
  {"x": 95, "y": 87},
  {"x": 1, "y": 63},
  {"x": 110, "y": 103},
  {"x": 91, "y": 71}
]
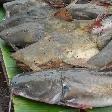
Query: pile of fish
[{"x": 64, "y": 48}]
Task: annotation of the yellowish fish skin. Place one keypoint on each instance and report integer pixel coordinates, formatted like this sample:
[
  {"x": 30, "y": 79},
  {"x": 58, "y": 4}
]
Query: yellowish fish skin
[
  {"x": 80, "y": 88},
  {"x": 58, "y": 49}
]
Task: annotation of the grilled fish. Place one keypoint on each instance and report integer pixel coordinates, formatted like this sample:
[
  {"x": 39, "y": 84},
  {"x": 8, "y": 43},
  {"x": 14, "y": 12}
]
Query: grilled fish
[
  {"x": 57, "y": 50},
  {"x": 80, "y": 88}
]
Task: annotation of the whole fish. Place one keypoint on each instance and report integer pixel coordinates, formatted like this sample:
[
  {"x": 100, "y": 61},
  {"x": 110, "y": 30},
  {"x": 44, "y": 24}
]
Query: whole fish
[
  {"x": 58, "y": 50},
  {"x": 79, "y": 88}
]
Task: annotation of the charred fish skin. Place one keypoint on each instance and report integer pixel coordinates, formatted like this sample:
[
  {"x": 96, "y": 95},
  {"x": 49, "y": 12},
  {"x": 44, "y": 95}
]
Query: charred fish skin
[{"x": 73, "y": 87}]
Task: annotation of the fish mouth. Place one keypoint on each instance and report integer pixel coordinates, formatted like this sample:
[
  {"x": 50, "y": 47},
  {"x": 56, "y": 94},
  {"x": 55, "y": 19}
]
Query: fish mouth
[{"x": 15, "y": 92}]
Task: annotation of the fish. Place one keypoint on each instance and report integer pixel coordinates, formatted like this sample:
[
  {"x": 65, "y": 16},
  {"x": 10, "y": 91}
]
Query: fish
[
  {"x": 15, "y": 21},
  {"x": 78, "y": 88},
  {"x": 102, "y": 39},
  {"x": 89, "y": 7},
  {"x": 103, "y": 58},
  {"x": 18, "y": 7},
  {"x": 23, "y": 34},
  {"x": 58, "y": 50}
]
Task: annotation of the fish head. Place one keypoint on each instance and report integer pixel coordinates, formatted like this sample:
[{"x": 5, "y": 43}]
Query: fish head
[
  {"x": 39, "y": 87},
  {"x": 19, "y": 86}
]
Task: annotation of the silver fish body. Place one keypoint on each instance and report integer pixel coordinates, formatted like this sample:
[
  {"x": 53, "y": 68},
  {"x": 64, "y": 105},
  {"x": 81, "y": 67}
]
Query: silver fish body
[{"x": 80, "y": 88}]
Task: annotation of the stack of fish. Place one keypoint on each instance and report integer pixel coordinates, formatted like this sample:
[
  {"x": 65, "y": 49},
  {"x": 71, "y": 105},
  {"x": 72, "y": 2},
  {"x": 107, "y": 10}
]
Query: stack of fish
[{"x": 64, "y": 46}]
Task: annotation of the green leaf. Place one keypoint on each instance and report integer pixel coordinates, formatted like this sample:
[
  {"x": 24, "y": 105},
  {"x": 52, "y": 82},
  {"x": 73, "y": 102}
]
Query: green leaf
[{"x": 2, "y": 14}]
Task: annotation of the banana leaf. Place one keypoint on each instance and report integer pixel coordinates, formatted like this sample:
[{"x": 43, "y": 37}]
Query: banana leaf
[{"x": 25, "y": 105}]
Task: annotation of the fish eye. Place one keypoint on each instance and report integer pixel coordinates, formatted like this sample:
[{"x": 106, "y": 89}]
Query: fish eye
[
  {"x": 65, "y": 87},
  {"x": 14, "y": 82}
]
